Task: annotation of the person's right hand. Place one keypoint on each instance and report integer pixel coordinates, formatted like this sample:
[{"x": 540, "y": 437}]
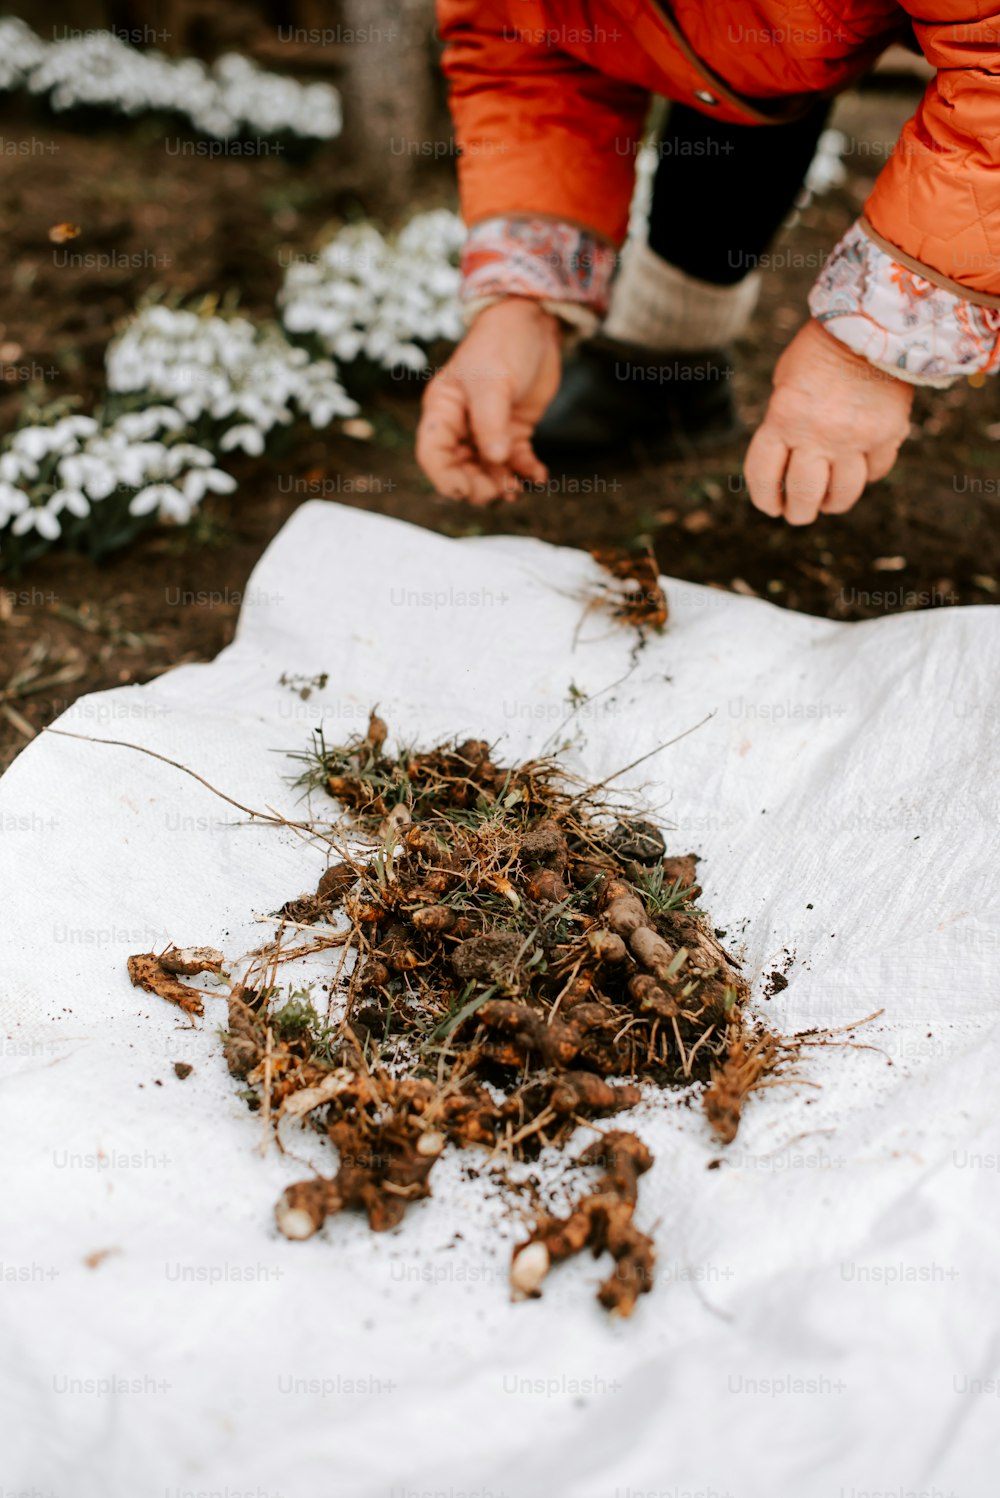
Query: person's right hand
[{"x": 474, "y": 438}]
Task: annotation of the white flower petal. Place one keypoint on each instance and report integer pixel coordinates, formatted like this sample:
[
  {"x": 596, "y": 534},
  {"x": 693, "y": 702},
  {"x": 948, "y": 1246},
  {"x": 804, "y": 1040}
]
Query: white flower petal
[
  {"x": 38, "y": 519},
  {"x": 249, "y": 438},
  {"x": 73, "y": 500},
  {"x": 149, "y": 499},
  {"x": 217, "y": 481}
]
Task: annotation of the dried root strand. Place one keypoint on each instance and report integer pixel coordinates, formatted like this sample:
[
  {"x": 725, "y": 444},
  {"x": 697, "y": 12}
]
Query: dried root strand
[
  {"x": 640, "y": 600},
  {"x": 745, "y": 1065}
]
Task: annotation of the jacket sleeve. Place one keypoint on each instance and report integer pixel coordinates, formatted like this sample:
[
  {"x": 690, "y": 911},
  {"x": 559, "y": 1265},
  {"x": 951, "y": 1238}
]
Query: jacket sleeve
[
  {"x": 547, "y": 156},
  {"x": 915, "y": 285}
]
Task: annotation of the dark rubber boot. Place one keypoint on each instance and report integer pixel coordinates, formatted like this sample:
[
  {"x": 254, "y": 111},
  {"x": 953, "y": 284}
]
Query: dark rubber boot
[{"x": 624, "y": 402}]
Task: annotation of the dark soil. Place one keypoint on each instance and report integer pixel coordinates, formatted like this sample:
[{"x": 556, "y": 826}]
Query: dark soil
[{"x": 927, "y": 536}]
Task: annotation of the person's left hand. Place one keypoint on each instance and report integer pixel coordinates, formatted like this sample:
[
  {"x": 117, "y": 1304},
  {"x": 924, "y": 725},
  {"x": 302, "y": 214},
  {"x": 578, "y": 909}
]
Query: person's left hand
[{"x": 834, "y": 423}]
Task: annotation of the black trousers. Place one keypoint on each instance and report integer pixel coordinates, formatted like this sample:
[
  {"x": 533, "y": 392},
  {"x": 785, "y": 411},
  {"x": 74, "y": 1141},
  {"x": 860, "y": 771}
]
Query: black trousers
[{"x": 721, "y": 192}]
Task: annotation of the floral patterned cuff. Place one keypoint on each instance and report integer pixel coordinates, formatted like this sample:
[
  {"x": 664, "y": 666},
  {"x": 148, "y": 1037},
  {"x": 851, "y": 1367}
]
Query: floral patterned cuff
[
  {"x": 890, "y": 315},
  {"x": 537, "y": 257}
]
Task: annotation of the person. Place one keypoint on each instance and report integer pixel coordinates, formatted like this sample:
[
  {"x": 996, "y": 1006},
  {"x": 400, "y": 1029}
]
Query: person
[{"x": 550, "y": 103}]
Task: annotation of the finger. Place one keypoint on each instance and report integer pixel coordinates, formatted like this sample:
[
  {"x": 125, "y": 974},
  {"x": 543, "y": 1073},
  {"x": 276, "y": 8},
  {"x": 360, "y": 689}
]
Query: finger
[
  {"x": 512, "y": 489},
  {"x": 880, "y": 460},
  {"x": 524, "y": 462},
  {"x": 847, "y": 484},
  {"x": 490, "y": 420},
  {"x": 506, "y": 484},
  {"x": 806, "y": 481},
  {"x": 483, "y": 483},
  {"x": 442, "y": 448},
  {"x": 482, "y": 488},
  {"x": 764, "y": 469}
]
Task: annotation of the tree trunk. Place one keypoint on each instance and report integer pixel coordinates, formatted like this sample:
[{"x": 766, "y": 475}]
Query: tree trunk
[{"x": 393, "y": 121}]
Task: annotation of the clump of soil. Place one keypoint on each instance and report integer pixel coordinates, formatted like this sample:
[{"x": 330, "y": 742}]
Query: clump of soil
[{"x": 527, "y": 954}]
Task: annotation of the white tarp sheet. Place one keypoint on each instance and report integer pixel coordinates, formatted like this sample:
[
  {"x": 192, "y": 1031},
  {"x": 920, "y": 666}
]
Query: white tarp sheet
[{"x": 827, "y": 1318}]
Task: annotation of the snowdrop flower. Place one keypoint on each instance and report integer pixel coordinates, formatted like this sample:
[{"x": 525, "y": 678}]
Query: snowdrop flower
[
  {"x": 249, "y": 439},
  {"x": 198, "y": 482},
  {"x": 14, "y": 466},
  {"x": 410, "y": 356},
  {"x": 20, "y": 51},
  {"x": 186, "y": 452},
  {"x": 348, "y": 345},
  {"x": 138, "y": 426},
  {"x": 33, "y": 443},
  {"x": 71, "y": 471},
  {"x": 73, "y": 500},
  {"x": 367, "y": 295},
  {"x": 225, "y": 369},
  {"x": 218, "y": 481},
  {"x": 101, "y": 69},
  {"x": 72, "y": 427},
  {"x": 12, "y": 502},
  {"x": 159, "y": 497},
  {"x": 63, "y": 440},
  {"x": 88, "y": 472},
  {"x": 175, "y": 507},
  {"x": 40, "y": 519},
  {"x": 106, "y": 465}
]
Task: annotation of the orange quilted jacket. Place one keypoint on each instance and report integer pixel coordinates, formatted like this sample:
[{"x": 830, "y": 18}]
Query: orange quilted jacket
[{"x": 550, "y": 99}]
